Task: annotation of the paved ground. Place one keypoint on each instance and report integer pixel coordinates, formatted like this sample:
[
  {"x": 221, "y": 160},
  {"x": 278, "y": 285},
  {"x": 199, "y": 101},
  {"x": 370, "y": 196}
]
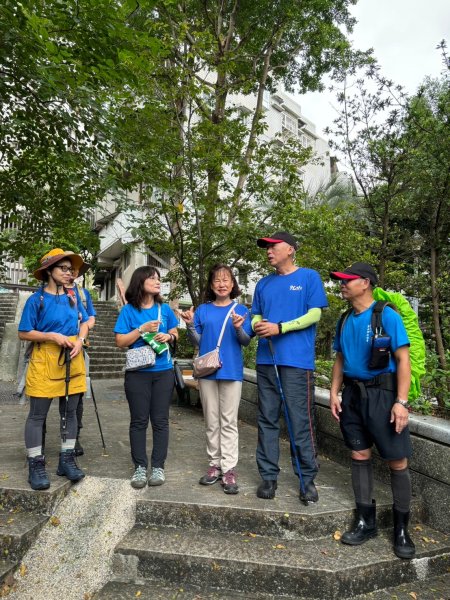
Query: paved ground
[{"x": 186, "y": 460}]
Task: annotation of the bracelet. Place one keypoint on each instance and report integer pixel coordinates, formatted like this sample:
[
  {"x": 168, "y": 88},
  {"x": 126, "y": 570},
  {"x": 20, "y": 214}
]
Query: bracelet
[{"x": 280, "y": 325}]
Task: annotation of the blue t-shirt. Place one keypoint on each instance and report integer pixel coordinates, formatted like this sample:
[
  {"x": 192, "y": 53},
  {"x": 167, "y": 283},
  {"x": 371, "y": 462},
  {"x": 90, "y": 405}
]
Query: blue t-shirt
[
  {"x": 57, "y": 315},
  {"x": 208, "y": 321},
  {"x": 280, "y": 298},
  {"x": 355, "y": 342},
  {"x": 131, "y": 318}
]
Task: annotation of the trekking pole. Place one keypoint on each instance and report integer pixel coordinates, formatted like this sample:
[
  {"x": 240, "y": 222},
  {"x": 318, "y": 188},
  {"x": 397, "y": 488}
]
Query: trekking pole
[
  {"x": 287, "y": 418},
  {"x": 67, "y": 360},
  {"x": 98, "y": 416}
]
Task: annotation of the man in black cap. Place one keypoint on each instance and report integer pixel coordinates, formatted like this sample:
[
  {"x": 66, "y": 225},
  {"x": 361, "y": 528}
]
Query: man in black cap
[
  {"x": 373, "y": 364},
  {"x": 286, "y": 307}
]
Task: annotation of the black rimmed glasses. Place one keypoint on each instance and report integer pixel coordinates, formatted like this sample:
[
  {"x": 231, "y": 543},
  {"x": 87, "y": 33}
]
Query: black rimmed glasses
[{"x": 66, "y": 269}]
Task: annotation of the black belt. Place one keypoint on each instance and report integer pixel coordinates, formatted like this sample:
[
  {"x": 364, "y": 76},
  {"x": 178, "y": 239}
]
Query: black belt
[{"x": 385, "y": 381}]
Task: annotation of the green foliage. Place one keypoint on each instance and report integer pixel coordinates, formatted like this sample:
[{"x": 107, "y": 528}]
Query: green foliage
[
  {"x": 435, "y": 385},
  {"x": 250, "y": 354},
  {"x": 185, "y": 349},
  {"x": 207, "y": 179}
]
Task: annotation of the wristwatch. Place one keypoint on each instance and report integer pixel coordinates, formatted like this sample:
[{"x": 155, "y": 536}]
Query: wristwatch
[
  {"x": 82, "y": 339},
  {"x": 404, "y": 403},
  {"x": 140, "y": 330},
  {"x": 280, "y": 327}
]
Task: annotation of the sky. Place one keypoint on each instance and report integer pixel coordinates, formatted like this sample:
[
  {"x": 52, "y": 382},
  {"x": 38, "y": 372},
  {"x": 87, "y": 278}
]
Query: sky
[{"x": 403, "y": 35}]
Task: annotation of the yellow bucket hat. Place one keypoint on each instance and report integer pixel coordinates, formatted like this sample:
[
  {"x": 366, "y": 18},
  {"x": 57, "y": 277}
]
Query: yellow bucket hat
[{"x": 55, "y": 256}]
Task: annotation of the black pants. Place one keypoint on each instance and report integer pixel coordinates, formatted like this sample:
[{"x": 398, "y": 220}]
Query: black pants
[
  {"x": 35, "y": 425},
  {"x": 149, "y": 395}
]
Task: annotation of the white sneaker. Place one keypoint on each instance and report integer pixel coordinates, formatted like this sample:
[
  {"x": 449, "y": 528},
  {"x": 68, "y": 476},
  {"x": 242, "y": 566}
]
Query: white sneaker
[{"x": 157, "y": 477}]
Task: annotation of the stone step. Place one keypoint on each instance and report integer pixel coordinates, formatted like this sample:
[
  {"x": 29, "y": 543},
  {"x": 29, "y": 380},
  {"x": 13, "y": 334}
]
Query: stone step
[
  {"x": 7, "y": 567},
  {"x": 100, "y": 361},
  {"x": 17, "y": 532},
  {"x": 315, "y": 569},
  {"x": 151, "y": 590},
  {"x": 434, "y": 588},
  {"x": 302, "y": 523},
  {"x": 102, "y": 374}
]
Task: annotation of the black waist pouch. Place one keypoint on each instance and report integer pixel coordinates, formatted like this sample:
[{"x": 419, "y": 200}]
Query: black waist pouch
[{"x": 381, "y": 352}]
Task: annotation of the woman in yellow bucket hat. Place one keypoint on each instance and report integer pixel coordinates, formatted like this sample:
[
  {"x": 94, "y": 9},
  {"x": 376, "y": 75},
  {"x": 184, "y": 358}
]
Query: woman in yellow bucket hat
[{"x": 56, "y": 323}]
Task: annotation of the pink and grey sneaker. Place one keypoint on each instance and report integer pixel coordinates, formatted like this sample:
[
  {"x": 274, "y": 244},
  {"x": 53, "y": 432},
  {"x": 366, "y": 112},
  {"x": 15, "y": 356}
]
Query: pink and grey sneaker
[
  {"x": 212, "y": 475},
  {"x": 229, "y": 482}
]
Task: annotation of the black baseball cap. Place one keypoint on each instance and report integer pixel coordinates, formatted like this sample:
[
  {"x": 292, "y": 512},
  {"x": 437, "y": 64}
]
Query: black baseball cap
[
  {"x": 276, "y": 238},
  {"x": 355, "y": 271}
]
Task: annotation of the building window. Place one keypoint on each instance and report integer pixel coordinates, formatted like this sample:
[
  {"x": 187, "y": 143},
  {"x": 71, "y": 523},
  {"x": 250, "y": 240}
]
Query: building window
[
  {"x": 289, "y": 123},
  {"x": 266, "y": 99}
]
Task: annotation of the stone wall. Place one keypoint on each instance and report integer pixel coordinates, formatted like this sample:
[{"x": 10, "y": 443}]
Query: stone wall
[{"x": 430, "y": 463}]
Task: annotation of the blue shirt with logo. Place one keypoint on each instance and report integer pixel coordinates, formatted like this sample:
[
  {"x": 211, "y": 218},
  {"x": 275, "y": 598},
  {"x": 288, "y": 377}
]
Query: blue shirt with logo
[
  {"x": 281, "y": 298},
  {"x": 355, "y": 342},
  {"x": 208, "y": 321},
  {"x": 131, "y": 318}
]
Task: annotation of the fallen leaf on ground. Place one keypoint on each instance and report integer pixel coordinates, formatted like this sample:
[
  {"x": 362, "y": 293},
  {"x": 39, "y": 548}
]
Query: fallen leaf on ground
[
  {"x": 23, "y": 570},
  {"x": 413, "y": 595},
  {"x": 337, "y": 535},
  {"x": 55, "y": 521},
  {"x": 138, "y": 593},
  {"x": 418, "y": 528},
  {"x": 279, "y": 547}
]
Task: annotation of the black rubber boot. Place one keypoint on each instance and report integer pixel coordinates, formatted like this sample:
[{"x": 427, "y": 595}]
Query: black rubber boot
[
  {"x": 37, "y": 475},
  {"x": 365, "y": 525},
  {"x": 68, "y": 467},
  {"x": 403, "y": 544}
]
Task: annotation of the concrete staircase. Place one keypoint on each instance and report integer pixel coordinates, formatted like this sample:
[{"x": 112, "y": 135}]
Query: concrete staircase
[
  {"x": 8, "y": 307},
  {"x": 23, "y": 513},
  {"x": 106, "y": 360},
  {"x": 208, "y": 550}
]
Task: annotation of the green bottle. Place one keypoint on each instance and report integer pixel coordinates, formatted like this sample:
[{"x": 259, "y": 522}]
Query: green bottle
[{"x": 158, "y": 347}]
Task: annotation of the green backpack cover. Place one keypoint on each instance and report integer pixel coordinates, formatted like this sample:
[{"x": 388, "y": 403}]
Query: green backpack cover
[{"x": 417, "y": 343}]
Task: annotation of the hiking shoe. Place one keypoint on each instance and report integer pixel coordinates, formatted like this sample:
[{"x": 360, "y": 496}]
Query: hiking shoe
[
  {"x": 139, "y": 479},
  {"x": 68, "y": 467},
  {"x": 229, "y": 482},
  {"x": 310, "y": 494},
  {"x": 37, "y": 475},
  {"x": 79, "y": 450},
  {"x": 266, "y": 489},
  {"x": 212, "y": 475},
  {"x": 157, "y": 477}
]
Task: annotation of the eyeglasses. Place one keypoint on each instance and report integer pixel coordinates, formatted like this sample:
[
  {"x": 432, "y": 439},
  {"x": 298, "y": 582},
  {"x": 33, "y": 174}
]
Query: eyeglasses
[{"x": 65, "y": 268}]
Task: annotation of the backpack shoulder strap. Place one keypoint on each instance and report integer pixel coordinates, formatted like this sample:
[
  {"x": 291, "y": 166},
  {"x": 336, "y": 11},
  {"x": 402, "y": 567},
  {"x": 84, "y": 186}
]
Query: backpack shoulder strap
[
  {"x": 342, "y": 320},
  {"x": 377, "y": 322}
]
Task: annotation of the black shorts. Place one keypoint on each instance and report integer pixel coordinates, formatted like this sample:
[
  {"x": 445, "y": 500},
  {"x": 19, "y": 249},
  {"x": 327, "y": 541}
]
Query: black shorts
[{"x": 366, "y": 421}]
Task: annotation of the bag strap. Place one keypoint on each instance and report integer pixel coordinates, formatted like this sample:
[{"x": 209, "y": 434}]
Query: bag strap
[
  {"x": 342, "y": 320},
  {"x": 222, "y": 331},
  {"x": 159, "y": 316}
]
